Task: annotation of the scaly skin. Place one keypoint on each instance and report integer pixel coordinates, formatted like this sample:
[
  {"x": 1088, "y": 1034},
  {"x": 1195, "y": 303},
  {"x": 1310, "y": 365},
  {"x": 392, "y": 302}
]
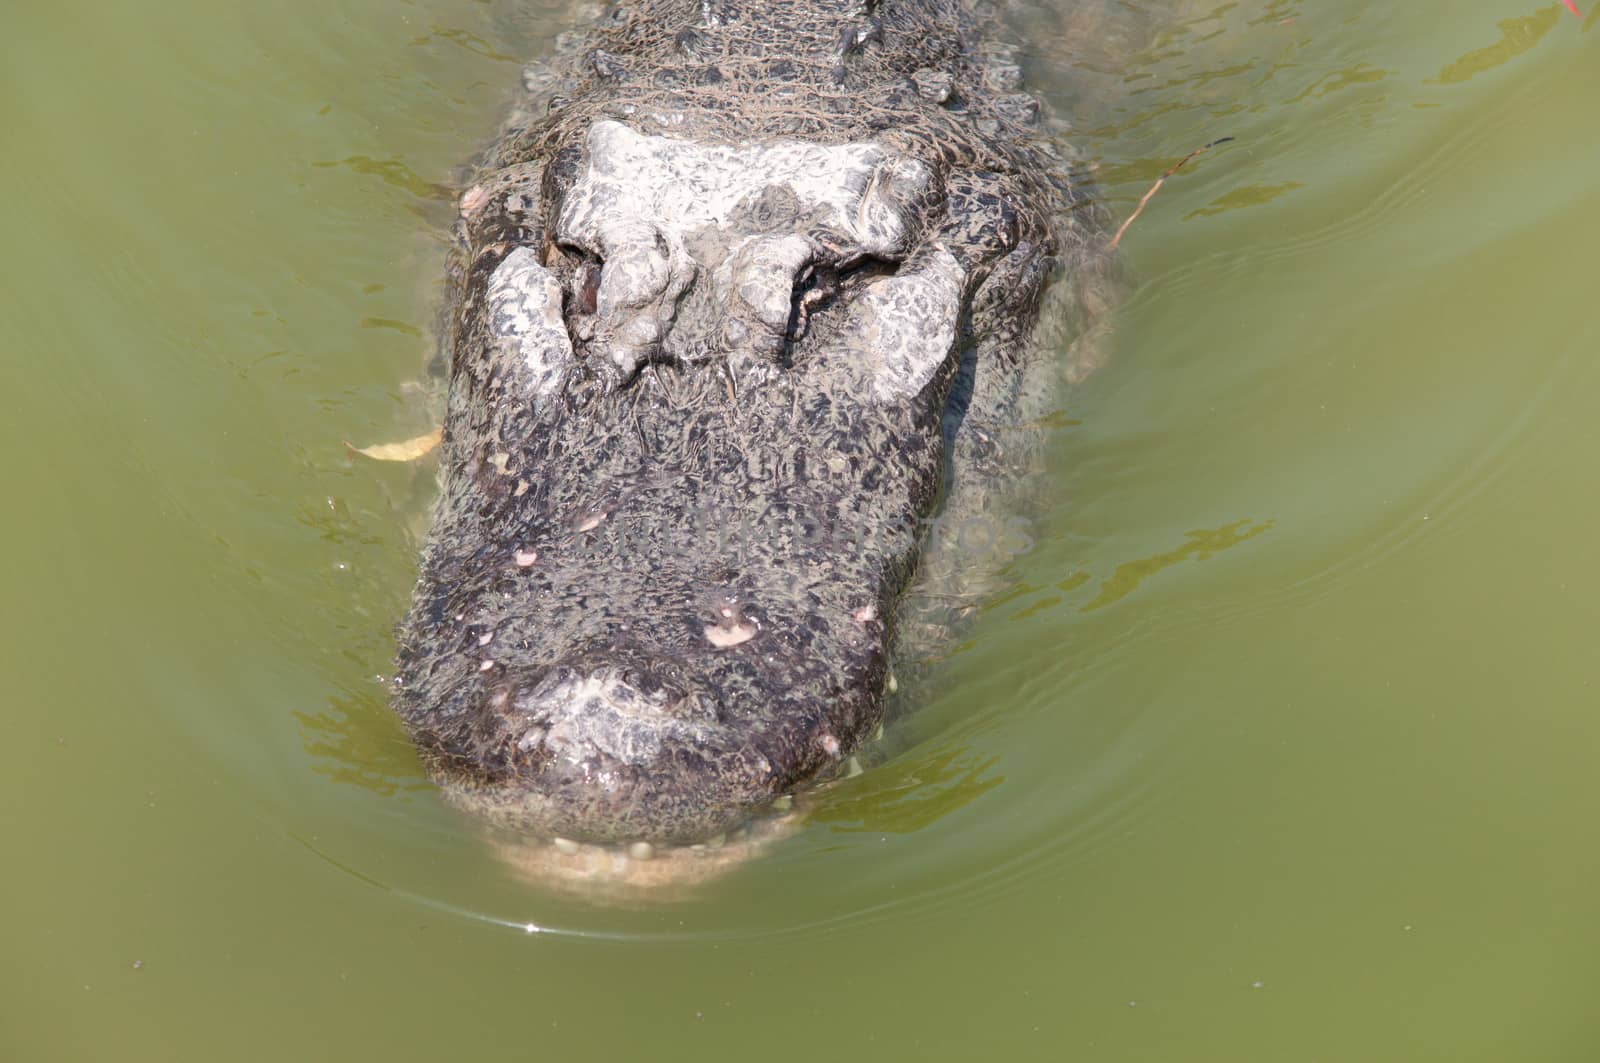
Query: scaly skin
[{"x": 765, "y": 285}]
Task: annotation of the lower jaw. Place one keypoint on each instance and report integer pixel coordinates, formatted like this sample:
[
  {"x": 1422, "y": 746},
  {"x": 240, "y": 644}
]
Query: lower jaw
[{"x": 642, "y": 873}]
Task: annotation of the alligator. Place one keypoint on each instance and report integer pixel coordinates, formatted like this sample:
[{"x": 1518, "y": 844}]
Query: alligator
[{"x": 746, "y": 298}]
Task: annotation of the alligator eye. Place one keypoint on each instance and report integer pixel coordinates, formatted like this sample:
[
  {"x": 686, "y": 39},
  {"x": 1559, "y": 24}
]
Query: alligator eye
[
  {"x": 814, "y": 287},
  {"x": 588, "y": 287},
  {"x": 819, "y": 286}
]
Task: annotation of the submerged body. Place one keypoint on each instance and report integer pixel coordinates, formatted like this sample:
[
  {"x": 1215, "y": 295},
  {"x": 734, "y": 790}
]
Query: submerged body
[{"x": 761, "y": 288}]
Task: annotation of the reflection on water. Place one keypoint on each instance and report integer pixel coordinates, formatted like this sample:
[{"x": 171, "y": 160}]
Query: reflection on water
[
  {"x": 470, "y": 41},
  {"x": 912, "y": 792},
  {"x": 394, "y": 172},
  {"x": 350, "y": 749},
  {"x": 1248, "y": 196},
  {"x": 1201, "y": 545},
  {"x": 1517, "y": 35}
]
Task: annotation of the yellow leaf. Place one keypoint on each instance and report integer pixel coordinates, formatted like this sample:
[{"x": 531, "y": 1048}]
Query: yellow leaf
[{"x": 409, "y": 450}]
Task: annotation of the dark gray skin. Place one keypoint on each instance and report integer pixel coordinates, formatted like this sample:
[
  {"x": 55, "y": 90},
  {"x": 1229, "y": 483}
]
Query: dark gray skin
[{"x": 763, "y": 288}]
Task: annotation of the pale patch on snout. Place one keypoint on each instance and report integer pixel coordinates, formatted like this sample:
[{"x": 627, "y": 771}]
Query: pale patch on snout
[
  {"x": 583, "y": 716},
  {"x": 676, "y": 186},
  {"x": 646, "y": 204}
]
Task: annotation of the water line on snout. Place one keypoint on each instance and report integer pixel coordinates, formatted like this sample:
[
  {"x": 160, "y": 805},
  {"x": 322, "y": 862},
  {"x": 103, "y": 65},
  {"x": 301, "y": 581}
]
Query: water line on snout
[{"x": 541, "y": 927}]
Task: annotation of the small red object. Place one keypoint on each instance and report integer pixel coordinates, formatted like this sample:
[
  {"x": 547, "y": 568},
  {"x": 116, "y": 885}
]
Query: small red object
[{"x": 1572, "y": 7}]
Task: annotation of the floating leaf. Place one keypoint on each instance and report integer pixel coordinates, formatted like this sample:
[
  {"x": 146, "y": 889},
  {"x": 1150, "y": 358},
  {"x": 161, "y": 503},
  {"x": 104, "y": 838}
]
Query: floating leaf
[{"x": 409, "y": 450}]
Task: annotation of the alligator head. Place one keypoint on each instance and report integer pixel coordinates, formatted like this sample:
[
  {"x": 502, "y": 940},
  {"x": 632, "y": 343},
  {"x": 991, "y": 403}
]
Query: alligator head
[{"x": 701, "y": 395}]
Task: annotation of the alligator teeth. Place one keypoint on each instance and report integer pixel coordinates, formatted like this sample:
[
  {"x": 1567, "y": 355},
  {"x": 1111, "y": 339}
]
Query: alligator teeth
[
  {"x": 641, "y": 850},
  {"x": 565, "y": 845}
]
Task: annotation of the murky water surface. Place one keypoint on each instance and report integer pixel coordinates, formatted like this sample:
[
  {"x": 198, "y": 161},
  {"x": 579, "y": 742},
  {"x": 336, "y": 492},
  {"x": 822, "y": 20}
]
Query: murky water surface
[{"x": 1282, "y": 743}]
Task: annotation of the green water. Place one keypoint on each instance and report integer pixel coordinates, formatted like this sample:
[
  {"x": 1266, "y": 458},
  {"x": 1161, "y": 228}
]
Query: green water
[{"x": 1282, "y": 746}]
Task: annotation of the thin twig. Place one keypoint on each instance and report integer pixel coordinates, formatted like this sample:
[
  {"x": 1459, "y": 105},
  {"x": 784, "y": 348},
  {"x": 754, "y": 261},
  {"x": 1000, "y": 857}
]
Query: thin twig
[{"x": 1157, "y": 187}]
